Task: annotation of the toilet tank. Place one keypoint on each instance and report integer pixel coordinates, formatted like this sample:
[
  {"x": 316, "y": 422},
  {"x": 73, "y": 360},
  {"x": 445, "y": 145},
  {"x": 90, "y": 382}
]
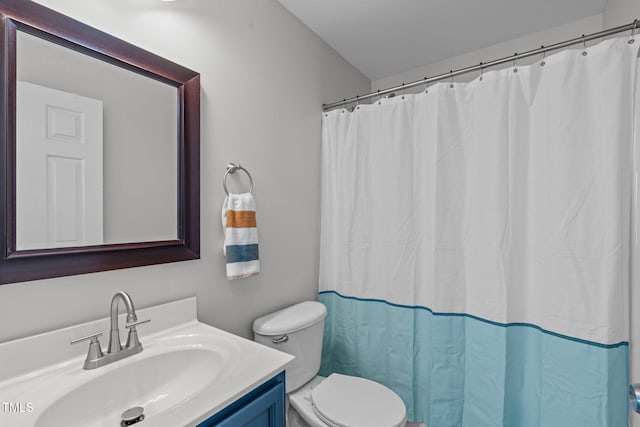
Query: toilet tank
[{"x": 297, "y": 330}]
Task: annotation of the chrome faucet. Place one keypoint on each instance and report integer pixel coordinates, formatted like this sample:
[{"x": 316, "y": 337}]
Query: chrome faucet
[
  {"x": 95, "y": 357},
  {"x": 114, "y": 336}
]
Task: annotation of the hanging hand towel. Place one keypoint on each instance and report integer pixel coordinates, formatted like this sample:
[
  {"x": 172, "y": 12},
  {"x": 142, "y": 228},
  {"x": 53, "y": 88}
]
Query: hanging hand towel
[{"x": 240, "y": 236}]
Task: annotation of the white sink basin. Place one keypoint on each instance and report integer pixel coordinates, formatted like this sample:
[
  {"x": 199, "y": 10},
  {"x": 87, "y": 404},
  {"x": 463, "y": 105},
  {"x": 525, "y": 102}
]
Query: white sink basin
[
  {"x": 187, "y": 372},
  {"x": 156, "y": 383}
]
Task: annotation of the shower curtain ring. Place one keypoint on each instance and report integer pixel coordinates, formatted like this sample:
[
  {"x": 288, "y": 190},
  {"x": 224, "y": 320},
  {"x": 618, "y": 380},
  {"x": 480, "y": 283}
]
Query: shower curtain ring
[
  {"x": 633, "y": 32},
  {"x": 402, "y": 97},
  {"x": 544, "y": 55},
  {"x": 515, "y": 62},
  {"x": 481, "y": 72},
  {"x": 379, "y": 98},
  {"x": 357, "y": 102},
  {"x": 451, "y": 79},
  {"x": 426, "y": 85},
  {"x": 584, "y": 45}
]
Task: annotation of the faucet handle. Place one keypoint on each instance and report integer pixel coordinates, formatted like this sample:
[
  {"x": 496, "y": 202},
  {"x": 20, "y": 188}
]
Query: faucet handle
[
  {"x": 95, "y": 350},
  {"x": 93, "y": 338},
  {"x": 132, "y": 338},
  {"x": 134, "y": 324}
]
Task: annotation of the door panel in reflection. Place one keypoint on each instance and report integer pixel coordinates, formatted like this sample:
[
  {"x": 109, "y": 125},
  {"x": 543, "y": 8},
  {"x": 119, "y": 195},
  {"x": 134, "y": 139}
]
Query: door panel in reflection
[{"x": 59, "y": 157}]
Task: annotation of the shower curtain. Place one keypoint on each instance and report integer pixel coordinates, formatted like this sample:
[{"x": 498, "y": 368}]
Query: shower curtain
[{"x": 475, "y": 243}]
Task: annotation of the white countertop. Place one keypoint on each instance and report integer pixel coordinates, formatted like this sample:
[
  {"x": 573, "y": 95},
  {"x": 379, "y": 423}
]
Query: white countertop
[{"x": 36, "y": 371}]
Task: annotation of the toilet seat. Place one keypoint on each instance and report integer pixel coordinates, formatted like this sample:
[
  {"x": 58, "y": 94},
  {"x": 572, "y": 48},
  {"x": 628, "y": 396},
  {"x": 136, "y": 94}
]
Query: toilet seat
[{"x": 346, "y": 401}]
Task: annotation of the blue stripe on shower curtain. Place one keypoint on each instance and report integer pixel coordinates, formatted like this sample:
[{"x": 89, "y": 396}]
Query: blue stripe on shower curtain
[{"x": 458, "y": 370}]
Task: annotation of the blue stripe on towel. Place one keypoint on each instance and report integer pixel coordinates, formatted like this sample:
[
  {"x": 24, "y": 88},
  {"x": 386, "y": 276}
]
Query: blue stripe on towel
[{"x": 242, "y": 253}]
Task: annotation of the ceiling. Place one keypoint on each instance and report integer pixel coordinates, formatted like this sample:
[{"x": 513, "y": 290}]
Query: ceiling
[{"x": 385, "y": 37}]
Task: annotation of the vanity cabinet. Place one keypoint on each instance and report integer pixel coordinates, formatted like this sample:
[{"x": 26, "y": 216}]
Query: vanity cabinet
[{"x": 262, "y": 407}]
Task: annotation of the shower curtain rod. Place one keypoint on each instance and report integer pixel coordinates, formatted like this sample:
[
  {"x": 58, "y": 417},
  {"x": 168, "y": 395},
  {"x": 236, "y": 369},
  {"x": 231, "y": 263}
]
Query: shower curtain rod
[{"x": 635, "y": 25}]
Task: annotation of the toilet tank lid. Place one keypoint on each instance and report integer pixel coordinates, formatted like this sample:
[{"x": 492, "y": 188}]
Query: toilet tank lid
[{"x": 290, "y": 319}]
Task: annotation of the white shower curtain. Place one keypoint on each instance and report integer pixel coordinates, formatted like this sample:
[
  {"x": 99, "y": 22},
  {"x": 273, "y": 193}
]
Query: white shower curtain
[{"x": 475, "y": 243}]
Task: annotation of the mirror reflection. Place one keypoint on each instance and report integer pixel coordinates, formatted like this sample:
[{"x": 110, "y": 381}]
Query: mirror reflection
[{"x": 96, "y": 156}]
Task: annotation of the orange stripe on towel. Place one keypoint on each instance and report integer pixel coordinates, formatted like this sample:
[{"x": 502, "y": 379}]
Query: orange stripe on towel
[{"x": 241, "y": 219}]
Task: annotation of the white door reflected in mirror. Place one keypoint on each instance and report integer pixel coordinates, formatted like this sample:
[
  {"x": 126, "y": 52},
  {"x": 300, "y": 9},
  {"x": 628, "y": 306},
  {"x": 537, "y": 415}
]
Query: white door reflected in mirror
[{"x": 59, "y": 200}]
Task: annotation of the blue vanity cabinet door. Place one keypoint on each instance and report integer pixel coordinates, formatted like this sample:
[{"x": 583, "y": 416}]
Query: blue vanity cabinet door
[
  {"x": 262, "y": 407},
  {"x": 265, "y": 411}
]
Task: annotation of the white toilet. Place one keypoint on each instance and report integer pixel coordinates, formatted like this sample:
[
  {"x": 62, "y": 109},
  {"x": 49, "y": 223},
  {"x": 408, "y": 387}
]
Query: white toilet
[{"x": 335, "y": 401}]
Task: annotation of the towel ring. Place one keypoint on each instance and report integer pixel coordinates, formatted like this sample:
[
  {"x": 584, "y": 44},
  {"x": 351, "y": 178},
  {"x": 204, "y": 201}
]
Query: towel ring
[{"x": 231, "y": 169}]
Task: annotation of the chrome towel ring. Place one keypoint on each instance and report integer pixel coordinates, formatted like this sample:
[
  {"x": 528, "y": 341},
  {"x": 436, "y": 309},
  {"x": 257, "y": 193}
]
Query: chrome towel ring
[{"x": 231, "y": 169}]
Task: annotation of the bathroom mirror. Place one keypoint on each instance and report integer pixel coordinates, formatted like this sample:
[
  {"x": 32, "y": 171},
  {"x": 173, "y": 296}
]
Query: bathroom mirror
[{"x": 100, "y": 150}]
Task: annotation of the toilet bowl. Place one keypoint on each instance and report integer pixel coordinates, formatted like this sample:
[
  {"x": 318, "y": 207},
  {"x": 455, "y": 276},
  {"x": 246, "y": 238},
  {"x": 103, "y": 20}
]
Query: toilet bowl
[
  {"x": 337, "y": 400},
  {"x": 350, "y": 401}
]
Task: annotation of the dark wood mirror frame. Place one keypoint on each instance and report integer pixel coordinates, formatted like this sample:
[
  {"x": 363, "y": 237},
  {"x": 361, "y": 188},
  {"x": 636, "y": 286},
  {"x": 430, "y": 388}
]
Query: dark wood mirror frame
[{"x": 40, "y": 21}]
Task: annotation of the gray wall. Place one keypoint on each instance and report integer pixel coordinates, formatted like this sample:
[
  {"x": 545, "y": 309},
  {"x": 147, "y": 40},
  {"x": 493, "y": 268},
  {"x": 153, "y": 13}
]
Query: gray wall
[
  {"x": 620, "y": 12},
  {"x": 264, "y": 79},
  {"x": 500, "y": 50}
]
